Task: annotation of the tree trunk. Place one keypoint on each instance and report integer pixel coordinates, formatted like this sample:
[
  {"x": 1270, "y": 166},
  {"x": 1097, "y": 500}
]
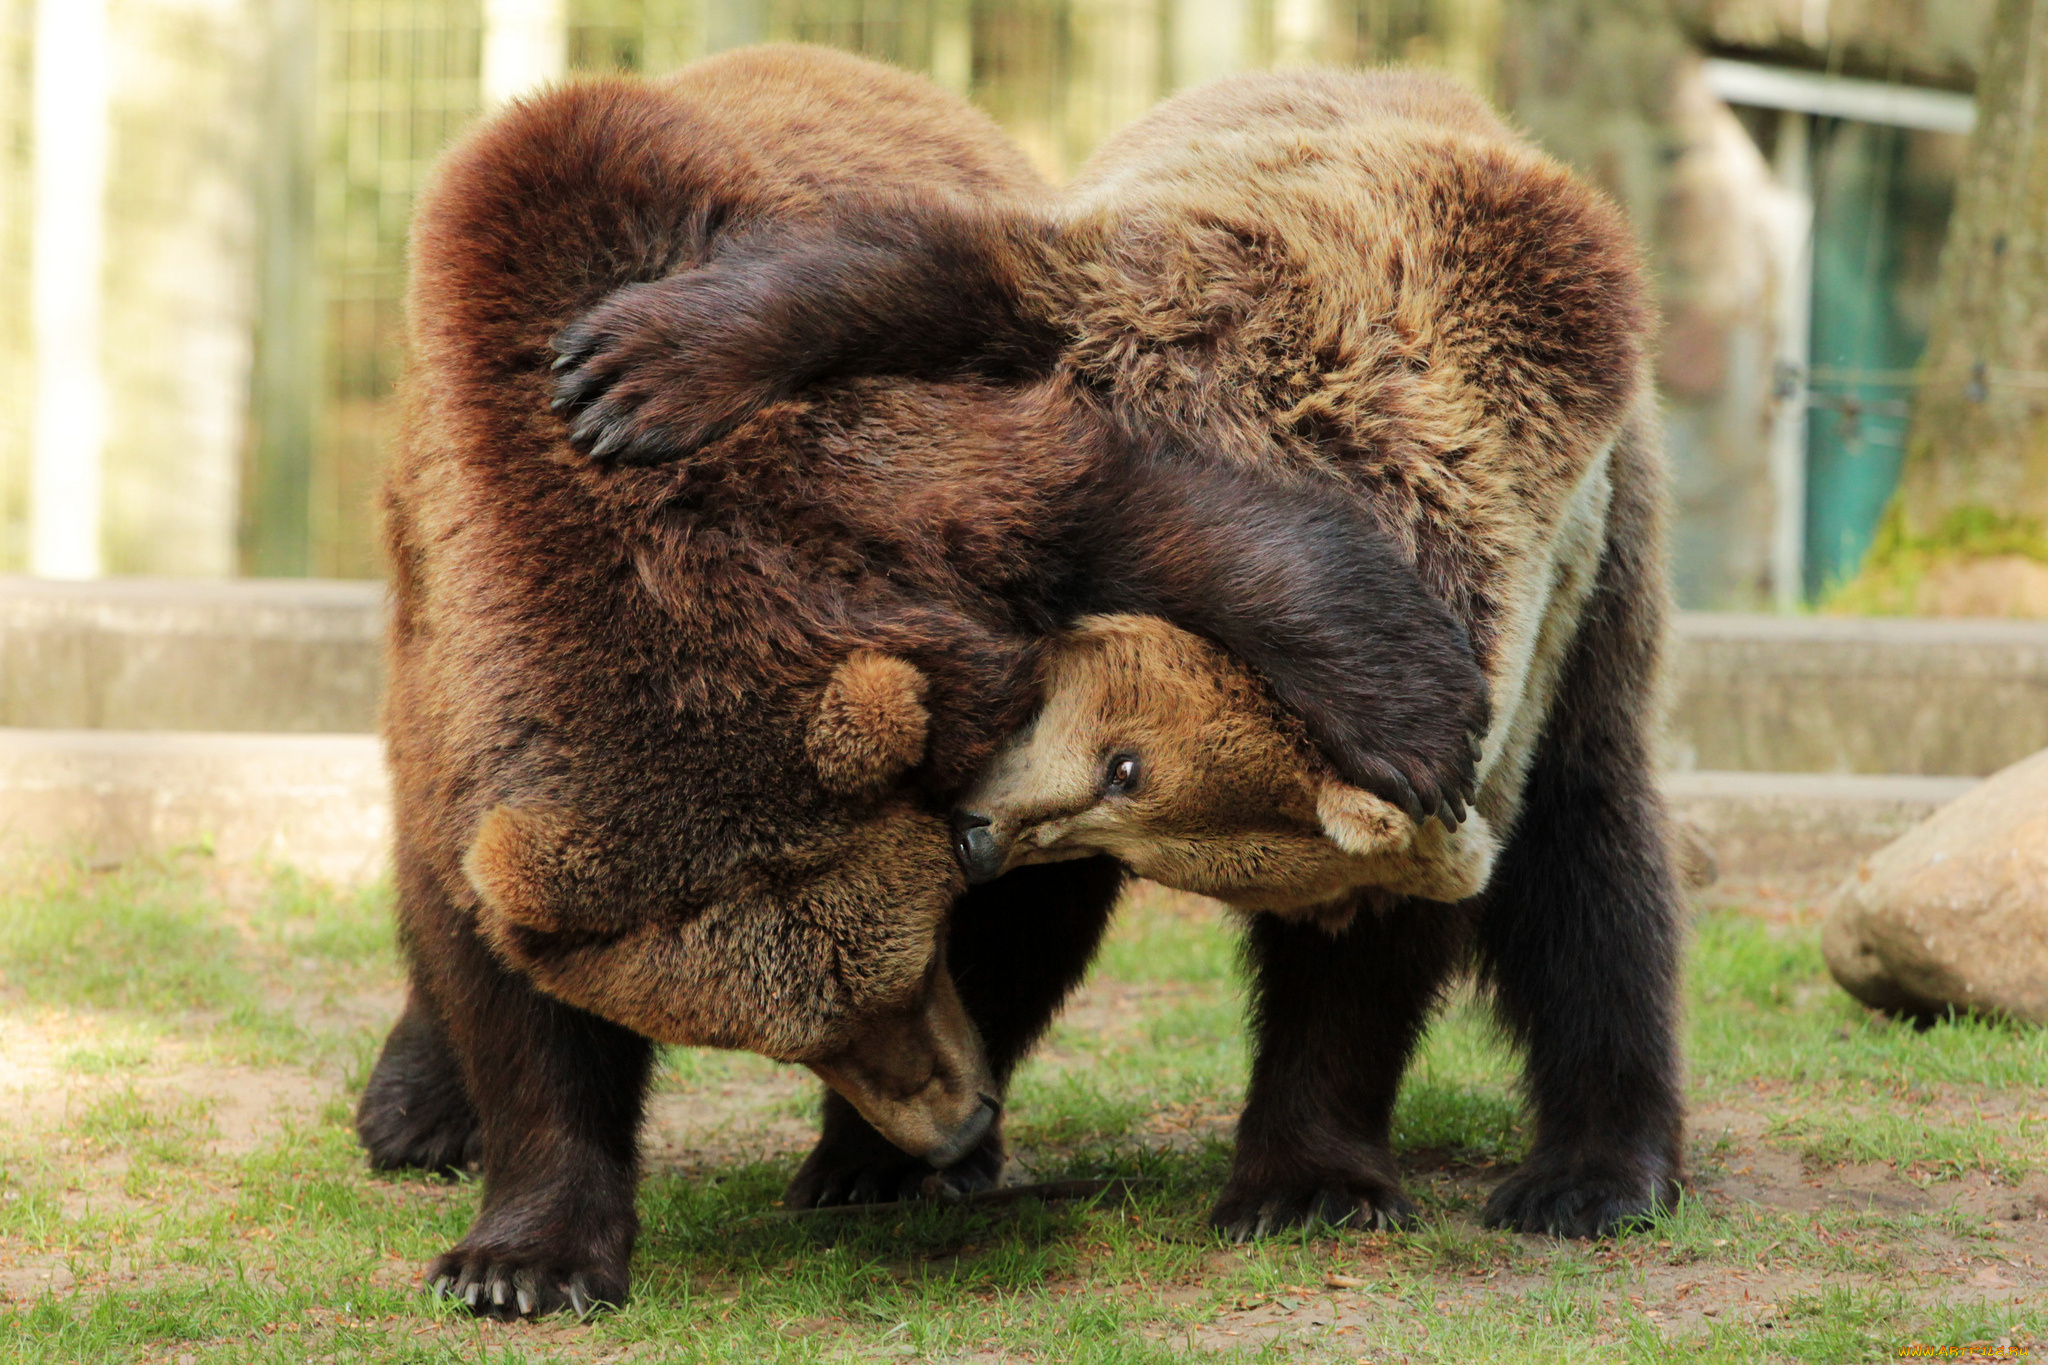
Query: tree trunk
[{"x": 1977, "y": 452}]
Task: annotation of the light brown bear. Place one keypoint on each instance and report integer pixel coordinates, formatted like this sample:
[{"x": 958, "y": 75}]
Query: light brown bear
[
  {"x": 1157, "y": 748},
  {"x": 1367, "y": 287}
]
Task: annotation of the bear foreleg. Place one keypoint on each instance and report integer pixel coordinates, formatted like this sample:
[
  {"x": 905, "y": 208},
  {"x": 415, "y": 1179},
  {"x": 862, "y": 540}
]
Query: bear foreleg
[
  {"x": 1579, "y": 931},
  {"x": 416, "y": 1111},
  {"x": 1335, "y": 1019}
]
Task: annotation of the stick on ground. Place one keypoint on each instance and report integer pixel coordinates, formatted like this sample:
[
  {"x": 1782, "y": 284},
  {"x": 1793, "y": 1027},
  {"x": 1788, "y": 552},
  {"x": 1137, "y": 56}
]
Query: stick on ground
[{"x": 1048, "y": 1191}]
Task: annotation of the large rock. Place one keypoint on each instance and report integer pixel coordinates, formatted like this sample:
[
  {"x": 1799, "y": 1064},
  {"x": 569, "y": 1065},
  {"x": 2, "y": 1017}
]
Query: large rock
[{"x": 1954, "y": 913}]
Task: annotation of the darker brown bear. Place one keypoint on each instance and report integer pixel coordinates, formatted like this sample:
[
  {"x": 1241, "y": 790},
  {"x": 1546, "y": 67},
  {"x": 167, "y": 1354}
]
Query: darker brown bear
[
  {"x": 673, "y": 742},
  {"x": 1363, "y": 285}
]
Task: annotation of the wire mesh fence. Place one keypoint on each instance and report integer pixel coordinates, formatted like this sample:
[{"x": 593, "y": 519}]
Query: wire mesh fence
[
  {"x": 328, "y": 113},
  {"x": 332, "y": 111},
  {"x": 396, "y": 80}
]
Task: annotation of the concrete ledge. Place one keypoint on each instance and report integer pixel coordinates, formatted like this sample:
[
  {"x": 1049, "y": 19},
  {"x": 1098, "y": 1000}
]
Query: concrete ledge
[
  {"x": 320, "y": 803},
  {"x": 315, "y": 802},
  {"x": 1822, "y": 694},
  {"x": 1750, "y": 693},
  {"x": 294, "y": 655},
  {"x": 1802, "y": 824}
]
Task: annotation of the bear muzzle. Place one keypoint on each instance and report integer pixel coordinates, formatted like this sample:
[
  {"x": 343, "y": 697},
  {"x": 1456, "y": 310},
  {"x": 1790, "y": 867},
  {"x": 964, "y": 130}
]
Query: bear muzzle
[{"x": 920, "y": 1076}]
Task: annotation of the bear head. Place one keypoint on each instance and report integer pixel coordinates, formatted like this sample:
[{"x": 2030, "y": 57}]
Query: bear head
[
  {"x": 797, "y": 964},
  {"x": 1158, "y": 748}
]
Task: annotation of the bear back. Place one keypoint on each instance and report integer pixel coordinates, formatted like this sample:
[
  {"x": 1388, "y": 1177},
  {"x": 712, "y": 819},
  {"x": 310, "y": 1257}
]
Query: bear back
[{"x": 1368, "y": 274}]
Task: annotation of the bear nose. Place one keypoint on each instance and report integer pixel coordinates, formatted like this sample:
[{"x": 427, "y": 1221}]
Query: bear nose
[{"x": 975, "y": 845}]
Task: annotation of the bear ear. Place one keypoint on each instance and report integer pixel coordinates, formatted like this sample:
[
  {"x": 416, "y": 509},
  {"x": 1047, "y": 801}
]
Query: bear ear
[
  {"x": 528, "y": 863},
  {"x": 870, "y": 726},
  {"x": 1425, "y": 860},
  {"x": 1360, "y": 823}
]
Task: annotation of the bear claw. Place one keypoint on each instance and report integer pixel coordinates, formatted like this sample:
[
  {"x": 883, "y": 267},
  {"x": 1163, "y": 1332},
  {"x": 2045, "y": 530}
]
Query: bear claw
[
  {"x": 1541, "y": 1199},
  {"x": 856, "y": 1165},
  {"x": 507, "y": 1293},
  {"x": 1326, "y": 1206},
  {"x": 887, "y": 1186}
]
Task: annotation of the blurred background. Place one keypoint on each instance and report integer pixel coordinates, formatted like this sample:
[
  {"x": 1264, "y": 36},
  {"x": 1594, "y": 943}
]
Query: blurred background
[{"x": 203, "y": 209}]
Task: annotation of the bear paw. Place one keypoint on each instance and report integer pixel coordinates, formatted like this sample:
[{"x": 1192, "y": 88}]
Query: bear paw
[
  {"x": 856, "y": 1167},
  {"x": 659, "y": 369},
  {"x": 400, "y": 1137},
  {"x": 415, "y": 1111},
  {"x": 509, "y": 1285},
  {"x": 1561, "y": 1197},
  {"x": 1244, "y": 1213}
]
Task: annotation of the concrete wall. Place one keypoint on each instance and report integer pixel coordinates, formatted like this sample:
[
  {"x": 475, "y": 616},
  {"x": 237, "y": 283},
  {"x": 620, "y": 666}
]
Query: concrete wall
[
  {"x": 143, "y": 716},
  {"x": 1952, "y": 698},
  {"x": 318, "y": 803},
  {"x": 1801, "y": 825},
  {"x": 1821, "y": 694},
  {"x": 154, "y": 654}
]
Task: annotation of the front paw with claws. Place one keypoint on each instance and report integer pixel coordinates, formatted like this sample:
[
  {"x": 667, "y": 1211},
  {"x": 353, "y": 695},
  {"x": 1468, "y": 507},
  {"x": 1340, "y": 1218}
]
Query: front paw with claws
[
  {"x": 1555, "y": 1194},
  {"x": 564, "y": 1246},
  {"x": 853, "y": 1164},
  {"x": 1424, "y": 786},
  {"x": 658, "y": 370},
  {"x": 1249, "y": 1215},
  {"x": 510, "y": 1286},
  {"x": 416, "y": 1111},
  {"x": 1279, "y": 1192},
  {"x": 1397, "y": 704}
]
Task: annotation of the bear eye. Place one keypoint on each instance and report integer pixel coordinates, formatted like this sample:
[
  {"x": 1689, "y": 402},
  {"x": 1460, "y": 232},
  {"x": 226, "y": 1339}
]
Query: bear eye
[{"x": 1122, "y": 775}]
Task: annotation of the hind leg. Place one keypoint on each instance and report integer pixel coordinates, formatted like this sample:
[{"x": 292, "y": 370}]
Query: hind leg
[
  {"x": 1335, "y": 1020},
  {"x": 1579, "y": 930},
  {"x": 415, "y": 1112},
  {"x": 1015, "y": 947}
]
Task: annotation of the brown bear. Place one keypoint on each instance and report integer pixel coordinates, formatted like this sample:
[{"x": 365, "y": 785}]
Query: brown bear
[
  {"x": 1367, "y": 286},
  {"x": 673, "y": 744}
]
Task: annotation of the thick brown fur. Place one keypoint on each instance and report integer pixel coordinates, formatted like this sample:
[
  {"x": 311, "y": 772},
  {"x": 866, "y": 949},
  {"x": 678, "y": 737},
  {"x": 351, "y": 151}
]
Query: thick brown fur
[
  {"x": 1371, "y": 279},
  {"x": 1363, "y": 285},
  {"x": 603, "y": 685},
  {"x": 673, "y": 732}
]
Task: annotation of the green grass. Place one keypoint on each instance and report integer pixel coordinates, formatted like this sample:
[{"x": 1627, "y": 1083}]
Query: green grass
[
  {"x": 238, "y": 962},
  {"x": 1889, "y": 580},
  {"x": 1764, "y": 1009},
  {"x": 1927, "y": 1145},
  {"x": 166, "y": 1240}
]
